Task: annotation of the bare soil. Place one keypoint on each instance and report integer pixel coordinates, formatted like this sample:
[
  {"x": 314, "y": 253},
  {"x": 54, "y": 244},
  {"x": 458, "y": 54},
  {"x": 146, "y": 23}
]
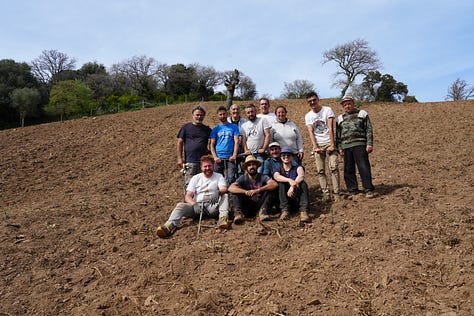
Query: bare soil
[{"x": 80, "y": 202}]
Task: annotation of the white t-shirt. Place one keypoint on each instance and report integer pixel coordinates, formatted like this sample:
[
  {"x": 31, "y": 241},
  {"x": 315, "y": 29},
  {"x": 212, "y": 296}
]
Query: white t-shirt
[
  {"x": 255, "y": 133},
  {"x": 319, "y": 122},
  {"x": 270, "y": 117},
  {"x": 206, "y": 188}
]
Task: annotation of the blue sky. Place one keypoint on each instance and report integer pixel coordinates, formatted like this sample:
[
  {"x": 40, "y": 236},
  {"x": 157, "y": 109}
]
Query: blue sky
[{"x": 424, "y": 44}]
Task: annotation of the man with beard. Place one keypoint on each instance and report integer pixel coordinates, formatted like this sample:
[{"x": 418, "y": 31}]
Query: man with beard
[
  {"x": 225, "y": 146},
  {"x": 255, "y": 134},
  {"x": 206, "y": 196},
  {"x": 252, "y": 192},
  {"x": 193, "y": 143}
]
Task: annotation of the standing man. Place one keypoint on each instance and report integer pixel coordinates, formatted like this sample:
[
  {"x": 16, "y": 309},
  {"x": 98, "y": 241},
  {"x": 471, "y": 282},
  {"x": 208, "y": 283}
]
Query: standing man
[
  {"x": 355, "y": 140},
  {"x": 265, "y": 110},
  {"x": 238, "y": 120},
  {"x": 206, "y": 196},
  {"x": 320, "y": 121},
  {"x": 235, "y": 116},
  {"x": 225, "y": 146},
  {"x": 255, "y": 134},
  {"x": 252, "y": 192},
  {"x": 193, "y": 143}
]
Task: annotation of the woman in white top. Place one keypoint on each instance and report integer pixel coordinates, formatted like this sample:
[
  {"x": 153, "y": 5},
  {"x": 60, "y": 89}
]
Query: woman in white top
[{"x": 287, "y": 134}]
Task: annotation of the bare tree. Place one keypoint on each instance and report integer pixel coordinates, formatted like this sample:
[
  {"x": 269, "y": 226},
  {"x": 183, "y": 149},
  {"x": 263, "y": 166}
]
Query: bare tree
[
  {"x": 246, "y": 89},
  {"x": 50, "y": 64},
  {"x": 353, "y": 58},
  {"x": 141, "y": 72},
  {"x": 460, "y": 90},
  {"x": 297, "y": 89}
]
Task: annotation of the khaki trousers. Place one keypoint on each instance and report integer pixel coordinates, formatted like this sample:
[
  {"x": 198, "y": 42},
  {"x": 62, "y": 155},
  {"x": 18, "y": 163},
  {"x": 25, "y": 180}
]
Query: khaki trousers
[{"x": 333, "y": 162}]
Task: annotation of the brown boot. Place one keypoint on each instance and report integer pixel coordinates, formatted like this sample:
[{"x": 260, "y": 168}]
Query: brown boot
[
  {"x": 263, "y": 216},
  {"x": 285, "y": 215},
  {"x": 304, "y": 217}
]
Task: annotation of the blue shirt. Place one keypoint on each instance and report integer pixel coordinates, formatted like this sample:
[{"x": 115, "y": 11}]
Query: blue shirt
[{"x": 224, "y": 135}]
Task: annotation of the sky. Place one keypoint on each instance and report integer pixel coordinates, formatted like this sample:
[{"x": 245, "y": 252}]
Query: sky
[{"x": 426, "y": 44}]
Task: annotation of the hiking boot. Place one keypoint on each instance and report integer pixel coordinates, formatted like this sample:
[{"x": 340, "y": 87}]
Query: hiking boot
[
  {"x": 165, "y": 230},
  {"x": 304, "y": 217},
  {"x": 263, "y": 216},
  {"x": 285, "y": 215},
  {"x": 223, "y": 223},
  {"x": 238, "y": 217},
  {"x": 371, "y": 194},
  {"x": 326, "y": 197}
]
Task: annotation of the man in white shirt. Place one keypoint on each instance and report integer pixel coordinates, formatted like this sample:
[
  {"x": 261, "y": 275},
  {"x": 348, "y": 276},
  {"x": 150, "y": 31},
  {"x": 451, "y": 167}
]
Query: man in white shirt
[
  {"x": 255, "y": 134},
  {"x": 206, "y": 195},
  {"x": 320, "y": 121},
  {"x": 265, "y": 110}
]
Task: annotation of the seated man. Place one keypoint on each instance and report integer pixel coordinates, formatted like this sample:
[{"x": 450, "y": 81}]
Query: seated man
[
  {"x": 206, "y": 194},
  {"x": 292, "y": 189},
  {"x": 252, "y": 192}
]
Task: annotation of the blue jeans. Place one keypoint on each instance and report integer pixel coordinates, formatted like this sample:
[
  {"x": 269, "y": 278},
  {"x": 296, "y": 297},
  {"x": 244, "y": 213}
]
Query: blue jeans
[{"x": 357, "y": 156}]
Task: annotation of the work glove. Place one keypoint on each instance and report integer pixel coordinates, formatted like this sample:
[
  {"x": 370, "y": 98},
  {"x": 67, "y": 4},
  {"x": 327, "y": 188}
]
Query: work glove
[{"x": 214, "y": 200}]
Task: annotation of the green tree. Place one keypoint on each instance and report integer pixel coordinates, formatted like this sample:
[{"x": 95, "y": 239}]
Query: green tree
[
  {"x": 391, "y": 90},
  {"x": 25, "y": 101},
  {"x": 180, "y": 80},
  {"x": 371, "y": 80},
  {"x": 13, "y": 76},
  {"x": 297, "y": 89},
  {"x": 70, "y": 97},
  {"x": 353, "y": 58}
]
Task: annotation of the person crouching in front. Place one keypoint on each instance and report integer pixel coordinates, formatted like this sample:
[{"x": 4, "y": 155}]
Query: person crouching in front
[{"x": 251, "y": 192}]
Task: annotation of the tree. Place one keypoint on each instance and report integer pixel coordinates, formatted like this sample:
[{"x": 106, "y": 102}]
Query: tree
[
  {"x": 70, "y": 97},
  {"x": 353, "y": 58},
  {"x": 25, "y": 101},
  {"x": 297, "y": 89},
  {"x": 48, "y": 66},
  {"x": 460, "y": 90},
  {"x": 246, "y": 89},
  {"x": 370, "y": 82},
  {"x": 391, "y": 90},
  {"x": 180, "y": 80},
  {"x": 13, "y": 76},
  {"x": 140, "y": 72},
  {"x": 231, "y": 80},
  {"x": 206, "y": 79}
]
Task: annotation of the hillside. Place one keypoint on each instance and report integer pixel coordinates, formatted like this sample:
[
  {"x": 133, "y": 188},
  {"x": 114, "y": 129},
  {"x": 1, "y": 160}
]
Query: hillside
[{"x": 80, "y": 201}]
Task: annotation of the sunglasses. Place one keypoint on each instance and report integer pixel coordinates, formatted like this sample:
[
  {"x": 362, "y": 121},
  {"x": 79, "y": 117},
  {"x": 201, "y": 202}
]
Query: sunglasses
[{"x": 286, "y": 155}]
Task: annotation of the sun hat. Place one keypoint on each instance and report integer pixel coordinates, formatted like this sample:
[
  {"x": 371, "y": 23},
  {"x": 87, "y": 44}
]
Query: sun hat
[
  {"x": 274, "y": 144},
  {"x": 286, "y": 150},
  {"x": 250, "y": 159},
  {"x": 347, "y": 97}
]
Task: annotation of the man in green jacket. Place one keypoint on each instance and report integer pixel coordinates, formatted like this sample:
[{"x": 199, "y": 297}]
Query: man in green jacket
[{"x": 354, "y": 140}]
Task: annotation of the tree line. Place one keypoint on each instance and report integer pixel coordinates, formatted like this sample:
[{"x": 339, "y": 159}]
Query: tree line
[{"x": 51, "y": 87}]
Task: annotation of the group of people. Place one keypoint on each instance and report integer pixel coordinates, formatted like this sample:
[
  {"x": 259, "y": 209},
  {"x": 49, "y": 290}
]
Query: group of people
[{"x": 271, "y": 176}]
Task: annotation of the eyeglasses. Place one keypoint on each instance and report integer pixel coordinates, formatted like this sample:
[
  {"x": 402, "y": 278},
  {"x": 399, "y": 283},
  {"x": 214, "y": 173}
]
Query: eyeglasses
[
  {"x": 274, "y": 148},
  {"x": 312, "y": 100}
]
